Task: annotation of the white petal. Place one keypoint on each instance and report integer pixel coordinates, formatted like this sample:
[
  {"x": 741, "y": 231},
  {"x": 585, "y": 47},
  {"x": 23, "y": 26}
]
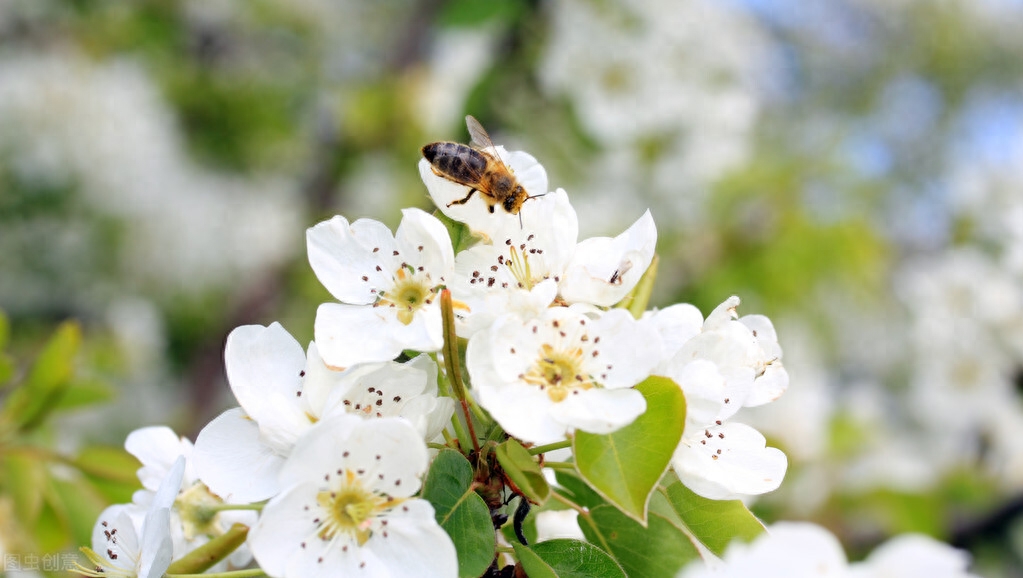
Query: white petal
[
  {"x": 787, "y": 549},
  {"x": 603, "y": 270},
  {"x": 156, "y": 548},
  {"x": 277, "y": 538},
  {"x": 319, "y": 381},
  {"x": 600, "y": 411},
  {"x": 913, "y": 555},
  {"x": 769, "y": 386},
  {"x": 116, "y": 530},
  {"x": 233, "y": 462},
  {"x": 415, "y": 543},
  {"x": 158, "y": 447},
  {"x": 722, "y": 314},
  {"x": 705, "y": 392},
  {"x": 632, "y": 349},
  {"x": 350, "y": 334},
  {"x": 264, "y": 367},
  {"x": 553, "y": 524},
  {"x": 423, "y": 240},
  {"x": 523, "y": 411},
  {"x": 675, "y": 324},
  {"x": 727, "y": 461},
  {"x": 340, "y": 255},
  {"x": 388, "y": 452}
]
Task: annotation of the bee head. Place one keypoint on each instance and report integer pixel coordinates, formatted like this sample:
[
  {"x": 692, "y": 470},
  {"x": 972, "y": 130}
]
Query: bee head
[{"x": 513, "y": 202}]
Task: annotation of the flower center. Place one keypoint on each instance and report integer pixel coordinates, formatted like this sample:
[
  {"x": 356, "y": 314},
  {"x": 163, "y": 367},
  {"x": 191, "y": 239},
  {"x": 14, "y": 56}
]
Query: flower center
[
  {"x": 351, "y": 509},
  {"x": 559, "y": 372},
  {"x": 410, "y": 292},
  {"x": 196, "y": 505}
]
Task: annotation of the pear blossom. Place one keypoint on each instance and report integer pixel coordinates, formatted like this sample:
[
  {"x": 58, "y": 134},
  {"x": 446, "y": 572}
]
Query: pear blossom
[
  {"x": 347, "y": 507},
  {"x": 805, "y": 550},
  {"x": 720, "y": 365},
  {"x": 283, "y": 392},
  {"x": 604, "y": 270},
  {"x": 525, "y": 268},
  {"x": 543, "y": 378},
  {"x": 387, "y": 286},
  {"x": 191, "y": 525},
  {"x": 786, "y": 550},
  {"x": 126, "y": 544}
]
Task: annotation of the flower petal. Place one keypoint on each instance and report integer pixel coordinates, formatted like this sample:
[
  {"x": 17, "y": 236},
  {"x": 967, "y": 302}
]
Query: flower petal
[
  {"x": 380, "y": 336},
  {"x": 727, "y": 461},
  {"x": 346, "y": 258},
  {"x": 600, "y": 411},
  {"x": 158, "y": 447},
  {"x": 233, "y": 461},
  {"x": 388, "y": 452},
  {"x": 264, "y": 368},
  {"x": 603, "y": 270},
  {"x": 414, "y": 543}
]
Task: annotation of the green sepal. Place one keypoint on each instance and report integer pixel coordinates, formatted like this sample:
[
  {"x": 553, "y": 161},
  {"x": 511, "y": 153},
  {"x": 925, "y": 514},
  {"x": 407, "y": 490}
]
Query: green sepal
[{"x": 523, "y": 471}]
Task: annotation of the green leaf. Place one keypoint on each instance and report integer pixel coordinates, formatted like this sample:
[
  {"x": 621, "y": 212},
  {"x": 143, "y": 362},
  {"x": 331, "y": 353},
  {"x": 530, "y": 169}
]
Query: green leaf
[
  {"x": 5, "y": 330},
  {"x": 575, "y": 489},
  {"x": 660, "y": 549},
  {"x": 715, "y": 523},
  {"x": 523, "y": 470},
  {"x": 461, "y": 512},
  {"x": 23, "y": 478},
  {"x": 77, "y": 505},
  {"x": 47, "y": 380},
  {"x": 625, "y": 466},
  {"x": 532, "y": 563},
  {"x": 81, "y": 393},
  {"x": 6, "y": 369},
  {"x": 564, "y": 558},
  {"x": 108, "y": 463}
]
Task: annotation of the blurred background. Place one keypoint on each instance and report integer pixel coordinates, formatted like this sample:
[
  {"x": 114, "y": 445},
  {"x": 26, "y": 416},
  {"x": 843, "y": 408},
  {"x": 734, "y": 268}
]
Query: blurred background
[{"x": 851, "y": 169}]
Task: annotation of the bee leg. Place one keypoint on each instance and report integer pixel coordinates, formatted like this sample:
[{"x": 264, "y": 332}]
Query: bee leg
[{"x": 464, "y": 200}]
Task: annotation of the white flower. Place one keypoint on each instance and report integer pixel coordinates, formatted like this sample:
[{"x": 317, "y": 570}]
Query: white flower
[
  {"x": 476, "y": 213},
  {"x": 603, "y": 270},
  {"x": 282, "y": 393},
  {"x": 542, "y": 378},
  {"x": 786, "y": 550},
  {"x": 745, "y": 350},
  {"x": 347, "y": 506},
  {"x": 723, "y": 365},
  {"x": 913, "y": 556},
  {"x": 191, "y": 525},
  {"x": 805, "y": 550},
  {"x": 388, "y": 286},
  {"x": 524, "y": 268},
  {"x": 726, "y": 461},
  {"x": 116, "y": 548},
  {"x": 518, "y": 271}
]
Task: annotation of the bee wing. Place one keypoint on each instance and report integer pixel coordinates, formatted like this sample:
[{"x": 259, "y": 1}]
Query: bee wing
[{"x": 480, "y": 138}]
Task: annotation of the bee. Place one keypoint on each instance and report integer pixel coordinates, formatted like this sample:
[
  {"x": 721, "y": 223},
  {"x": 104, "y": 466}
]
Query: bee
[{"x": 478, "y": 167}]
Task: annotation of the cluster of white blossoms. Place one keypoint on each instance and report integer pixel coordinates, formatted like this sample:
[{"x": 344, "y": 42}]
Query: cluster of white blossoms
[
  {"x": 331, "y": 443},
  {"x": 798, "y": 549}
]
